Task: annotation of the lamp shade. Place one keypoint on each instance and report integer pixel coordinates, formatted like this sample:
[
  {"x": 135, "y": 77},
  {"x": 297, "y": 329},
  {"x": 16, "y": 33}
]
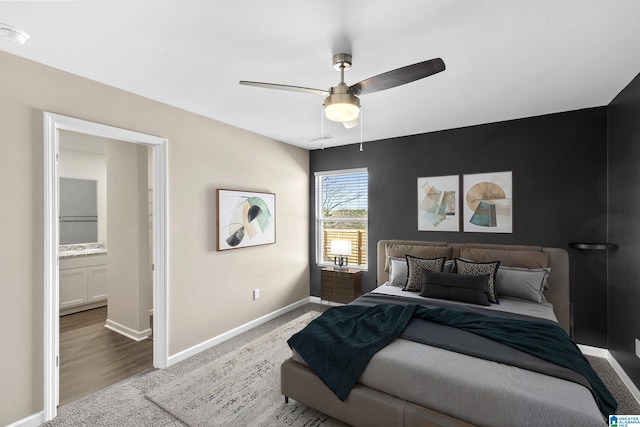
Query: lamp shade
[{"x": 341, "y": 247}]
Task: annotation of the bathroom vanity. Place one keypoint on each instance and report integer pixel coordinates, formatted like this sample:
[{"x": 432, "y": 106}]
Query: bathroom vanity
[{"x": 83, "y": 277}]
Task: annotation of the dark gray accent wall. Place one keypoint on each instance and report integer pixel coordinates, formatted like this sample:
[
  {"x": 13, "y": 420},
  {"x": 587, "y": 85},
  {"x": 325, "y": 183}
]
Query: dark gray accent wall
[
  {"x": 624, "y": 228},
  {"x": 559, "y": 165}
]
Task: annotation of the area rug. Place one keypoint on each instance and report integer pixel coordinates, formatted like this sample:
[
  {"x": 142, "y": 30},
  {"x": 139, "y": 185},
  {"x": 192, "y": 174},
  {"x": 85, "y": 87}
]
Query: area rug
[{"x": 241, "y": 388}]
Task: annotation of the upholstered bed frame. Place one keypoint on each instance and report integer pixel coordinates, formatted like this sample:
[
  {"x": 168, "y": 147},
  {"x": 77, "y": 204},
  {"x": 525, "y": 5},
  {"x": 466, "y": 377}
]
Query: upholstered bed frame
[
  {"x": 557, "y": 294},
  {"x": 369, "y": 407}
]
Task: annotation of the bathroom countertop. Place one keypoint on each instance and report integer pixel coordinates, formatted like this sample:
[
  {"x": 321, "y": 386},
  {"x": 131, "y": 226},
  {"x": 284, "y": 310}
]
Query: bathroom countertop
[{"x": 81, "y": 250}]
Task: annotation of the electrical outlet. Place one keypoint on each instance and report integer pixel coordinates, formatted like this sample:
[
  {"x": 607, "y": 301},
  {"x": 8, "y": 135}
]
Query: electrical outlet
[
  {"x": 638, "y": 347},
  {"x": 256, "y": 294}
]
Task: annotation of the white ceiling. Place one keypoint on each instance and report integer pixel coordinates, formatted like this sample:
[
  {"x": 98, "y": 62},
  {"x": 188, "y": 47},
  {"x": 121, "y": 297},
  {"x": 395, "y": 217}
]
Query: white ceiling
[{"x": 505, "y": 59}]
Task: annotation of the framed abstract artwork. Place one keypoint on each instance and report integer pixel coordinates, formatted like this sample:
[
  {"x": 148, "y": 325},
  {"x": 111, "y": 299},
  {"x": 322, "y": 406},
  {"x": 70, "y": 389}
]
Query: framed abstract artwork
[
  {"x": 488, "y": 202},
  {"x": 438, "y": 203},
  {"x": 245, "y": 219}
]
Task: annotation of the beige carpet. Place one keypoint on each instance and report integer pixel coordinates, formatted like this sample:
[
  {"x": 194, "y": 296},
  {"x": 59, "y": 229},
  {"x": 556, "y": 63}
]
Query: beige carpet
[{"x": 241, "y": 388}]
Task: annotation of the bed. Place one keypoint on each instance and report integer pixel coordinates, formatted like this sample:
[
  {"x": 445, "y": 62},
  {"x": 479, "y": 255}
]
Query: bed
[{"x": 409, "y": 383}]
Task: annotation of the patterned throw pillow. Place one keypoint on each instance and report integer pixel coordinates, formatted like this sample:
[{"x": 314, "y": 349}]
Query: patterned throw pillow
[
  {"x": 415, "y": 267},
  {"x": 479, "y": 269}
]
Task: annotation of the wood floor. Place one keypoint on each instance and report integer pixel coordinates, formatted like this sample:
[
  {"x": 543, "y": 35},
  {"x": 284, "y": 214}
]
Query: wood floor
[{"x": 93, "y": 357}]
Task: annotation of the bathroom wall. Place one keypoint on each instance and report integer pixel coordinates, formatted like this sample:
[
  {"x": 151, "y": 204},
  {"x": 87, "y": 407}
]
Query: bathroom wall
[{"x": 130, "y": 284}]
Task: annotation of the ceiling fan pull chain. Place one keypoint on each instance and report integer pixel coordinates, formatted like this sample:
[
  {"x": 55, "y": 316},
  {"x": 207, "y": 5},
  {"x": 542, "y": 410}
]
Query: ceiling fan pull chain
[
  {"x": 322, "y": 128},
  {"x": 361, "y": 125}
]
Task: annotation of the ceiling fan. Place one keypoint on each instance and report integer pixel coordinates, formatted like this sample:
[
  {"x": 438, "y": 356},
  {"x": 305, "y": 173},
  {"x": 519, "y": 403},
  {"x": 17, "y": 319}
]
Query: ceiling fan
[{"x": 342, "y": 103}]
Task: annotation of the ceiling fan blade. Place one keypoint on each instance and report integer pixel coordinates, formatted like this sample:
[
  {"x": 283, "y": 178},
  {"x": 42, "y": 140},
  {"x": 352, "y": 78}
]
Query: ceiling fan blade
[
  {"x": 399, "y": 76},
  {"x": 286, "y": 87}
]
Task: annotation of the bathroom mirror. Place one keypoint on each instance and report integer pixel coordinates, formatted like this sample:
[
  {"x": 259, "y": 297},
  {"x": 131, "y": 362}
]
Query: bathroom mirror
[
  {"x": 78, "y": 211},
  {"x": 82, "y": 188}
]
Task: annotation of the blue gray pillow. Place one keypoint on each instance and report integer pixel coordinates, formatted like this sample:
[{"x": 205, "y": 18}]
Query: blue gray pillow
[
  {"x": 527, "y": 284},
  {"x": 397, "y": 271}
]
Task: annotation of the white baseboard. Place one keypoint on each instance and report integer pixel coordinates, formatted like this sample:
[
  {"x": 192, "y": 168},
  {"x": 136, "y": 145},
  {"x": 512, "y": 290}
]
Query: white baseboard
[
  {"x": 127, "y": 331},
  {"x": 593, "y": 351},
  {"x": 604, "y": 353},
  {"x": 185, "y": 354},
  {"x": 34, "y": 420}
]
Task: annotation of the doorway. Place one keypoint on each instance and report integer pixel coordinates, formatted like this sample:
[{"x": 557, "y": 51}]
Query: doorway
[
  {"x": 53, "y": 124},
  {"x": 105, "y": 289}
]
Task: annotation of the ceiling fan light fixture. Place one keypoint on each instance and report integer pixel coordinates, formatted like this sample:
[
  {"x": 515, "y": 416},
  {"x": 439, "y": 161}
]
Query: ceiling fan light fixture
[
  {"x": 342, "y": 103},
  {"x": 13, "y": 34},
  {"x": 341, "y": 107}
]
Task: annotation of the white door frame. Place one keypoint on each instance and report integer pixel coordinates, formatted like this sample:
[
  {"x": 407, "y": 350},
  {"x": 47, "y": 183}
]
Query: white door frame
[{"x": 52, "y": 124}]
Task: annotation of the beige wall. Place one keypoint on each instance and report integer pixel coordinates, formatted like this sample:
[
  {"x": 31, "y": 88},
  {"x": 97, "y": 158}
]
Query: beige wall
[
  {"x": 209, "y": 291},
  {"x": 129, "y": 273}
]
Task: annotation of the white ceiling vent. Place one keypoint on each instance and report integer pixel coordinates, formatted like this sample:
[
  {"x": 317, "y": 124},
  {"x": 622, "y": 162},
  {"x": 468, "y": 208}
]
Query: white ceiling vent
[{"x": 319, "y": 138}]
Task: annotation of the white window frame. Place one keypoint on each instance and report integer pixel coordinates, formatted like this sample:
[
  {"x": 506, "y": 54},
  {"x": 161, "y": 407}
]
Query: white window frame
[{"x": 319, "y": 258}]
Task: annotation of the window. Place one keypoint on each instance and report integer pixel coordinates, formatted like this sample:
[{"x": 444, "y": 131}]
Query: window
[{"x": 342, "y": 214}]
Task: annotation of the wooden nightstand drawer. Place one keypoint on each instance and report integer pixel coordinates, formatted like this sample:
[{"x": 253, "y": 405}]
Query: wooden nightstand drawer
[{"x": 341, "y": 286}]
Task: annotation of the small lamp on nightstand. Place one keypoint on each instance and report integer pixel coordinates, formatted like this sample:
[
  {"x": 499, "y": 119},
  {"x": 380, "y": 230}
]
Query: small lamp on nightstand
[{"x": 342, "y": 248}]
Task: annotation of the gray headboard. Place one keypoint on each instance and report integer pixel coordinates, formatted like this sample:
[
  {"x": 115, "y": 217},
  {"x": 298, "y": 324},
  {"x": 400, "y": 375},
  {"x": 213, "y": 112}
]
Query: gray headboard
[{"x": 558, "y": 293}]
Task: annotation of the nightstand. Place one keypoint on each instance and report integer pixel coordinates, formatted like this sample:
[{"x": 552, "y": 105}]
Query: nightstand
[{"x": 341, "y": 286}]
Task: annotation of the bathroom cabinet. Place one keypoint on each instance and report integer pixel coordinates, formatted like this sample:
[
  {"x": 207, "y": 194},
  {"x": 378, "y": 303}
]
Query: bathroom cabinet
[{"x": 83, "y": 283}]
